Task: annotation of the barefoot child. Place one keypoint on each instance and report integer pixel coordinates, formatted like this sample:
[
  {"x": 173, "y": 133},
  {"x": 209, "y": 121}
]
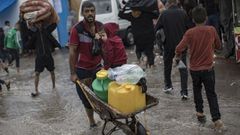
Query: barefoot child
[{"x": 201, "y": 42}]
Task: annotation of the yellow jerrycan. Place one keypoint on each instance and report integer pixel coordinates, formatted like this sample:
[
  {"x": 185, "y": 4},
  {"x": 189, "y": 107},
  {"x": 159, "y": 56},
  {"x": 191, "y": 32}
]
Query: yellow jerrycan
[{"x": 127, "y": 98}]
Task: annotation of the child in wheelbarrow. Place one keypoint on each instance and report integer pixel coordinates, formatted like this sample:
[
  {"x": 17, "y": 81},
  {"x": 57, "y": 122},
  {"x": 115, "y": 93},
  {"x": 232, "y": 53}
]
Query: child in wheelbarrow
[
  {"x": 113, "y": 50},
  {"x": 201, "y": 42}
]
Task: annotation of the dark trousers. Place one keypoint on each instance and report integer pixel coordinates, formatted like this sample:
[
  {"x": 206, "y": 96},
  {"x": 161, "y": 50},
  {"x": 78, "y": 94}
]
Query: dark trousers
[
  {"x": 15, "y": 56},
  {"x": 147, "y": 49},
  {"x": 226, "y": 18},
  {"x": 207, "y": 78},
  {"x": 84, "y": 74},
  {"x": 1, "y": 82},
  {"x": 5, "y": 55},
  {"x": 214, "y": 20},
  {"x": 168, "y": 61},
  {"x": 160, "y": 38}
]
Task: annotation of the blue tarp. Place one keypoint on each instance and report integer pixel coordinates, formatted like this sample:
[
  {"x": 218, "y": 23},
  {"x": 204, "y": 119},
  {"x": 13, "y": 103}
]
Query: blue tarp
[
  {"x": 5, "y": 4},
  {"x": 62, "y": 8}
]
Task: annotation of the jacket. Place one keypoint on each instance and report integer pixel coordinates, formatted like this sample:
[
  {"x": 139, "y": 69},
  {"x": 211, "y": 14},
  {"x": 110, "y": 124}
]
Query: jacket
[
  {"x": 43, "y": 41},
  {"x": 174, "y": 22},
  {"x": 10, "y": 40},
  {"x": 142, "y": 27},
  {"x": 114, "y": 53}
]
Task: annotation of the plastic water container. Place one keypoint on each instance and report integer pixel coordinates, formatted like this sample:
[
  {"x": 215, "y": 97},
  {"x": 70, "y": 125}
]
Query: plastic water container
[
  {"x": 127, "y": 98},
  {"x": 100, "y": 85}
]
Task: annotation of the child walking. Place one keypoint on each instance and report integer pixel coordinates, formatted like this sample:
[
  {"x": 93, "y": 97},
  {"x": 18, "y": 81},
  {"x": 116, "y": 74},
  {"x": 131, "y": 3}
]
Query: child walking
[{"x": 201, "y": 42}]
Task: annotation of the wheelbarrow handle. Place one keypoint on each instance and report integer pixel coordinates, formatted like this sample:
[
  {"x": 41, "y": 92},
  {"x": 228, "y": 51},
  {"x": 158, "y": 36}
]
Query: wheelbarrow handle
[
  {"x": 78, "y": 82},
  {"x": 83, "y": 81},
  {"x": 81, "y": 85}
]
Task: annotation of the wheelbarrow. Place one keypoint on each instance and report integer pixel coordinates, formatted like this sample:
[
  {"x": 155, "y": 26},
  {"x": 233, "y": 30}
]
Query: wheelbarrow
[{"x": 128, "y": 123}]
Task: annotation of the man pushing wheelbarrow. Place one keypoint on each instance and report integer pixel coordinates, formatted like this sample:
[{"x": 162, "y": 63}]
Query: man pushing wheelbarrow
[{"x": 84, "y": 63}]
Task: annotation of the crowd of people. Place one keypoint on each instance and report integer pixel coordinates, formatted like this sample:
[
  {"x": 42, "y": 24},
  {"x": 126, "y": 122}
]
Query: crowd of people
[
  {"x": 184, "y": 25},
  {"x": 10, "y": 44},
  {"x": 179, "y": 26}
]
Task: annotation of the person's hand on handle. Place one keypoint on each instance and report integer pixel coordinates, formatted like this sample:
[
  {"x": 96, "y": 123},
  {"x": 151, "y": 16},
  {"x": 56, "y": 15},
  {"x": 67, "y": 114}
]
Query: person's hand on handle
[{"x": 74, "y": 77}]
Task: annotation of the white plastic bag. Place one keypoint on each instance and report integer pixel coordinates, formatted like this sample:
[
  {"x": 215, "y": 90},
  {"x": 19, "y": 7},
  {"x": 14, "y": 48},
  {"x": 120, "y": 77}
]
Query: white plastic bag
[
  {"x": 127, "y": 73},
  {"x": 181, "y": 65}
]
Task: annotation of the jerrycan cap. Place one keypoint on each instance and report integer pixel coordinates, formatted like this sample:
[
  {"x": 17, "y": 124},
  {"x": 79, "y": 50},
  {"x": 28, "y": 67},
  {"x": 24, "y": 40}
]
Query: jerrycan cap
[
  {"x": 128, "y": 87},
  {"x": 102, "y": 74}
]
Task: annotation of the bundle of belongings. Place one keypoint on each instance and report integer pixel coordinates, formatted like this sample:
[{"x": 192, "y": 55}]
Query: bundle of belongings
[
  {"x": 35, "y": 11},
  {"x": 143, "y": 5}
]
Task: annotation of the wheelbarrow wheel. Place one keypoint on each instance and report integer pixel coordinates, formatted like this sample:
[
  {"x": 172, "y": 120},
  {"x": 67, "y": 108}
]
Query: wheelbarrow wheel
[
  {"x": 124, "y": 127},
  {"x": 138, "y": 128},
  {"x": 127, "y": 130}
]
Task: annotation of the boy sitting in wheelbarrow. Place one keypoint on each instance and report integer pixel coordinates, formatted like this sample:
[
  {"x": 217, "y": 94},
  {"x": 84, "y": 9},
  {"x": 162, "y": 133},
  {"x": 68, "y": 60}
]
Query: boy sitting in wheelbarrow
[{"x": 113, "y": 50}]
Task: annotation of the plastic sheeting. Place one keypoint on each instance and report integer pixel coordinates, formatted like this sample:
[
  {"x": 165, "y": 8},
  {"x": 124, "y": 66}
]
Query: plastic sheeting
[
  {"x": 5, "y": 4},
  {"x": 61, "y": 7}
]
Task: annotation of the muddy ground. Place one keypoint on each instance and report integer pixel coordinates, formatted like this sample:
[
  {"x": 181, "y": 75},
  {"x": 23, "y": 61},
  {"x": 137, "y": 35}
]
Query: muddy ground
[{"x": 60, "y": 112}]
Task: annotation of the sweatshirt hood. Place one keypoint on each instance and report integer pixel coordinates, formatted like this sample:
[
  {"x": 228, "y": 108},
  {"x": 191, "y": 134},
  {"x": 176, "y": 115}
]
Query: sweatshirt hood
[{"x": 111, "y": 29}]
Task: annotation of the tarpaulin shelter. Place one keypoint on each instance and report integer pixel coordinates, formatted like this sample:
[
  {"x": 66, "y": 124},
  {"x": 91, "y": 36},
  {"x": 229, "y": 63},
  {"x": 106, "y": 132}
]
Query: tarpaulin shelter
[
  {"x": 8, "y": 11},
  {"x": 4, "y": 4},
  {"x": 62, "y": 9}
]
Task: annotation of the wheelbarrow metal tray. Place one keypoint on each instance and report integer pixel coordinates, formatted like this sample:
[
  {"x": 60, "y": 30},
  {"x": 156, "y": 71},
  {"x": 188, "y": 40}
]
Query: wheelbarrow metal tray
[{"x": 108, "y": 112}]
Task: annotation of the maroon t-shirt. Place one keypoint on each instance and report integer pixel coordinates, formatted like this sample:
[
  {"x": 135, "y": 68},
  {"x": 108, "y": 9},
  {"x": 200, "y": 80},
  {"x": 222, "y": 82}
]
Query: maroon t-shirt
[
  {"x": 201, "y": 42},
  {"x": 83, "y": 40}
]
